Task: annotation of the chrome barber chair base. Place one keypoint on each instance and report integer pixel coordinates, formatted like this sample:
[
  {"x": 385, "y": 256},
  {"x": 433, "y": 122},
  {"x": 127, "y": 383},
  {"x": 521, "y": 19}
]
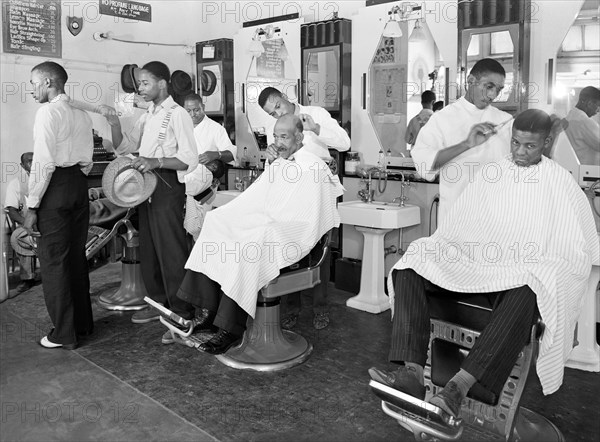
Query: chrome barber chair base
[
  {"x": 428, "y": 422},
  {"x": 290, "y": 350},
  {"x": 130, "y": 295}
]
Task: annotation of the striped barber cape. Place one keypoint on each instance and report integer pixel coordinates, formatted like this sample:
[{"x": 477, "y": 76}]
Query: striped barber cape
[
  {"x": 516, "y": 226},
  {"x": 271, "y": 225}
]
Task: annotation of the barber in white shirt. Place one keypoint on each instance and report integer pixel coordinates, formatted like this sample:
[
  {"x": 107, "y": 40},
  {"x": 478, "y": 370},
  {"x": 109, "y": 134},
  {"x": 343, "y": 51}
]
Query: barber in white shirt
[
  {"x": 211, "y": 138},
  {"x": 583, "y": 131},
  {"x": 58, "y": 208},
  {"x": 461, "y": 139}
]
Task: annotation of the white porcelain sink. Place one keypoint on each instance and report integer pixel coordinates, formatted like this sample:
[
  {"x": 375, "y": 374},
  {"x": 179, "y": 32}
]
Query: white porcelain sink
[
  {"x": 224, "y": 196},
  {"x": 379, "y": 215}
]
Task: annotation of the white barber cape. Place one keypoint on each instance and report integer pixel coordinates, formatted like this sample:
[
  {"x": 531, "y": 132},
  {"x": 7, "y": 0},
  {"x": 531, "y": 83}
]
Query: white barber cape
[
  {"x": 530, "y": 226},
  {"x": 271, "y": 225}
]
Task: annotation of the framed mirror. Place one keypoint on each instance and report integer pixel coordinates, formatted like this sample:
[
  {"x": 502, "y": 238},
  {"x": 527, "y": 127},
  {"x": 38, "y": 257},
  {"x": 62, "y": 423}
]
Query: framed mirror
[
  {"x": 577, "y": 67},
  {"x": 322, "y": 77},
  {"x": 401, "y": 69}
]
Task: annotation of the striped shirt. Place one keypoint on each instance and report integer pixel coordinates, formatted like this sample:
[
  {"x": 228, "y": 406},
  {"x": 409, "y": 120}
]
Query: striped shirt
[
  {"x": 524, "y": 226},
  {"x": 271, "y": 225}
]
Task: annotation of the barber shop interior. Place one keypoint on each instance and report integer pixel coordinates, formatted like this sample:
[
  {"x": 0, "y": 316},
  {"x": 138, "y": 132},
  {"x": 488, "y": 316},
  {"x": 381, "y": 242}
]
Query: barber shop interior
[{"x": 217, "y": 215}]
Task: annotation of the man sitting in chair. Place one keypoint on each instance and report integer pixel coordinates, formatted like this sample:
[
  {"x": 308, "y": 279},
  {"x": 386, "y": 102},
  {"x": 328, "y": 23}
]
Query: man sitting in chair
[
  {"x": 244, "y": 244},
  {"x": 522, "y": 233}
]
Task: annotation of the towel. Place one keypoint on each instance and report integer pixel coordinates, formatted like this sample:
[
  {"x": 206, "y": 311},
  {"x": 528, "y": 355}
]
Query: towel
[
  {"x": 518, "y": 226},
  {"x": 273, "y": 224}
]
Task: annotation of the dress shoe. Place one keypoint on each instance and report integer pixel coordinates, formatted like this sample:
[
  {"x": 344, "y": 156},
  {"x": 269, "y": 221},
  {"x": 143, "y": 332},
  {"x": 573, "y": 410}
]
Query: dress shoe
[
  {"x": 85, "y": 333},
  {"x": 203, "y": 321},
  {"x": 219, "y": 343},
  {"x": 23, "y": 287},
  {"x": 145, "y": 315},
  {"x": 47, "y": 343},
  {"x": 167, "y": 338},
  {"x": 448, "y": 399},
  {"x": 402, "y": 379},
  {"x": 320, "y": 320},
  {"x": 289, "y": 321}
]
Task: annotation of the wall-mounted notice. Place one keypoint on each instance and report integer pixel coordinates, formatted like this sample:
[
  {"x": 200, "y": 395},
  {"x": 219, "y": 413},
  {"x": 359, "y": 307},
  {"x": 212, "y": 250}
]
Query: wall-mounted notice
[
  {"x": 126, "y": 9},
  {"x": 31, "y": 27}
]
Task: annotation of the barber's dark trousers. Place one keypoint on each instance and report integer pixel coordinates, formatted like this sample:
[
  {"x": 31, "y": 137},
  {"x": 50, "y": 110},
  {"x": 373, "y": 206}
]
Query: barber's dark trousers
[
  {"x": 163, "y": 245},
  {"x": 201, "y": 291},
  {"x": 496, "y": 350},
  {"x": 293, "y": 301},
  {"x": 63, "y": 218}
]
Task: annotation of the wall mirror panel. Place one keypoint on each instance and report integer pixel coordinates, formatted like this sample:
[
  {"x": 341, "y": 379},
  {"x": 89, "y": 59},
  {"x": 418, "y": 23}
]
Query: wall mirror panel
[
  {"x": 578, "y": 59},
  {"x": 401, "y": 69},
  {"x": 322, "y": 76}
]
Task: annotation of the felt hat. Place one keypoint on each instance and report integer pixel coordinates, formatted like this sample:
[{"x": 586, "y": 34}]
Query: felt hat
[
  {"x": 181, "y": 83},
  {"x": 125, "y": 186},
  {"x": 208, "y": 79},
  {"x": 129, "y": 78},
  {"x": 23, "y": 243}
]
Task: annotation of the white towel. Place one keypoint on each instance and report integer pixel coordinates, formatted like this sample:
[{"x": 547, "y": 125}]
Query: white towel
[
  {"x": 523, "y": 226},
  {"x": 271, "y": 225}
]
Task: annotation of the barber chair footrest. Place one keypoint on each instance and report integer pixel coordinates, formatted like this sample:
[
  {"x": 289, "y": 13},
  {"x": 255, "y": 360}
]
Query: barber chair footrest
[{"x": 288, "y": 350}]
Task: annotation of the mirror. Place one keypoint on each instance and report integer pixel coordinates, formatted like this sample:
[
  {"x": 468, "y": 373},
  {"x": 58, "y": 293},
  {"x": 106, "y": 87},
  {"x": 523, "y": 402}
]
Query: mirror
[
  {"x": 577, "y": 60},
  {"x": 272, "y": 68},
  {"x": 322, "y": 76},
  {"x": 401, "y": 69}
]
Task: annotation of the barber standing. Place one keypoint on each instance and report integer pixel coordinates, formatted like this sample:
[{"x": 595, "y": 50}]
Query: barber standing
[
  {"x": 321, "y": 131},
  {"x": 460, "y": 139},
  {"x": 164, "y": 138},
  {"x": 58, "y": 209}
]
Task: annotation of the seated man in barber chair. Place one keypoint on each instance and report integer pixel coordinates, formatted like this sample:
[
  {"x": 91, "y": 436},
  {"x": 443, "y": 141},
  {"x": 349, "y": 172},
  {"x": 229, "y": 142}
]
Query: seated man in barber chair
[
  {"x": 522, "y": 233},
  {"x": 244, "y": 244}
]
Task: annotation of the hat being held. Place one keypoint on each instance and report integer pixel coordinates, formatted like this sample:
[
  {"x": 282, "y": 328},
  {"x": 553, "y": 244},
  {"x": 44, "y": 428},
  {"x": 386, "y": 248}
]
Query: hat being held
[
  {"x": 23, "y": 243},
  {"x": 129, "y": 78},
  {"x": 125, "y": 186}
]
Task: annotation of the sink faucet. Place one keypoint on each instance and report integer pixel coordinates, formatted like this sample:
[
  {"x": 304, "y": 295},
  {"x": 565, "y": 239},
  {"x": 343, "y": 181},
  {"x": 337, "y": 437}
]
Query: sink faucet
[
  {"x": 366, "y": 194},
  {"x": 402, "y": 196}
]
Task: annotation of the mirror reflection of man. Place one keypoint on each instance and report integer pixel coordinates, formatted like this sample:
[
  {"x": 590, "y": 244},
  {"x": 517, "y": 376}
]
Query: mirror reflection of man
[
  {"x": 211, "y": 138},
  {"x": 461, "y": 139},
  {"x": 583, "y": 131},
  {"x": 419, "y": 120},
  {"x": 14, "y": 204},
  {"x": 321, "y": 132}
]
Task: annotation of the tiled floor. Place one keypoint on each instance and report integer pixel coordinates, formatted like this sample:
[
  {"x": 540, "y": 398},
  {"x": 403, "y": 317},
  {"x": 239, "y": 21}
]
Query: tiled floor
[{"x": 123, "y": 384}]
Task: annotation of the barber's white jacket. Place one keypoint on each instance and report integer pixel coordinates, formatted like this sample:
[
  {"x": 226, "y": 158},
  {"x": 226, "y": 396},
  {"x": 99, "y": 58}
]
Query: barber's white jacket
[{"x": 448, "y": 127}]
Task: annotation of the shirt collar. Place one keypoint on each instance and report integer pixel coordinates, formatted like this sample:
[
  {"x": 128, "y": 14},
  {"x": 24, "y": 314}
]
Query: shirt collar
[
  {"x": 60, "y": 97},
  {"x": 167, "y": 104}
]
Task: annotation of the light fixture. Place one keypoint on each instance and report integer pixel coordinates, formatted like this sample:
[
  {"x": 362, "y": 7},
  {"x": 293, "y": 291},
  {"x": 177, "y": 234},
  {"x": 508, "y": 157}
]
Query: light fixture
[
  {"x": 256, "y": 47},
  {"x": 398, "y": 14},
  {"x": 418, "y": 34},
  {"x": 392, "y": 27}
]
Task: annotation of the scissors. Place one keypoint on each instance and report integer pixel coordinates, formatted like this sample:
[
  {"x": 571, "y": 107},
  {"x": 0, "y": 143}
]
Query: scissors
[{"x": 499, "y": 126}]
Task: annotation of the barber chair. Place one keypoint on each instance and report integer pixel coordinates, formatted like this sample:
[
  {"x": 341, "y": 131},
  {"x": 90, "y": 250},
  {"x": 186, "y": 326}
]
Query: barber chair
[
  {"x": 130, "y": 295},
  {"x": 455, "y": 325},
  {"x": 265, "y": 346}
]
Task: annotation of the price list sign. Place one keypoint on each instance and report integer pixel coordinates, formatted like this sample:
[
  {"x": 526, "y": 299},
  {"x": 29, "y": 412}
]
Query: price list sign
[{"x": 31, "y": 27}]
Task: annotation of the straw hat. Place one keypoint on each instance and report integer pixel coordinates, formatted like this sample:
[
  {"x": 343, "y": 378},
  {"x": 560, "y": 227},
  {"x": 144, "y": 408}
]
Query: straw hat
[
  {"x": 23, "y": 243},
  {"x": 129, "y": 77},
  {"x": 125, "y": 186}
]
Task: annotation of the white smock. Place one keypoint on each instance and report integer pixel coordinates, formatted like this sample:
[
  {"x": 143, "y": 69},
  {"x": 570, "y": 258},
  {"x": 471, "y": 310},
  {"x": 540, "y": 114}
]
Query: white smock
[{"x": 529, "y": 226}]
